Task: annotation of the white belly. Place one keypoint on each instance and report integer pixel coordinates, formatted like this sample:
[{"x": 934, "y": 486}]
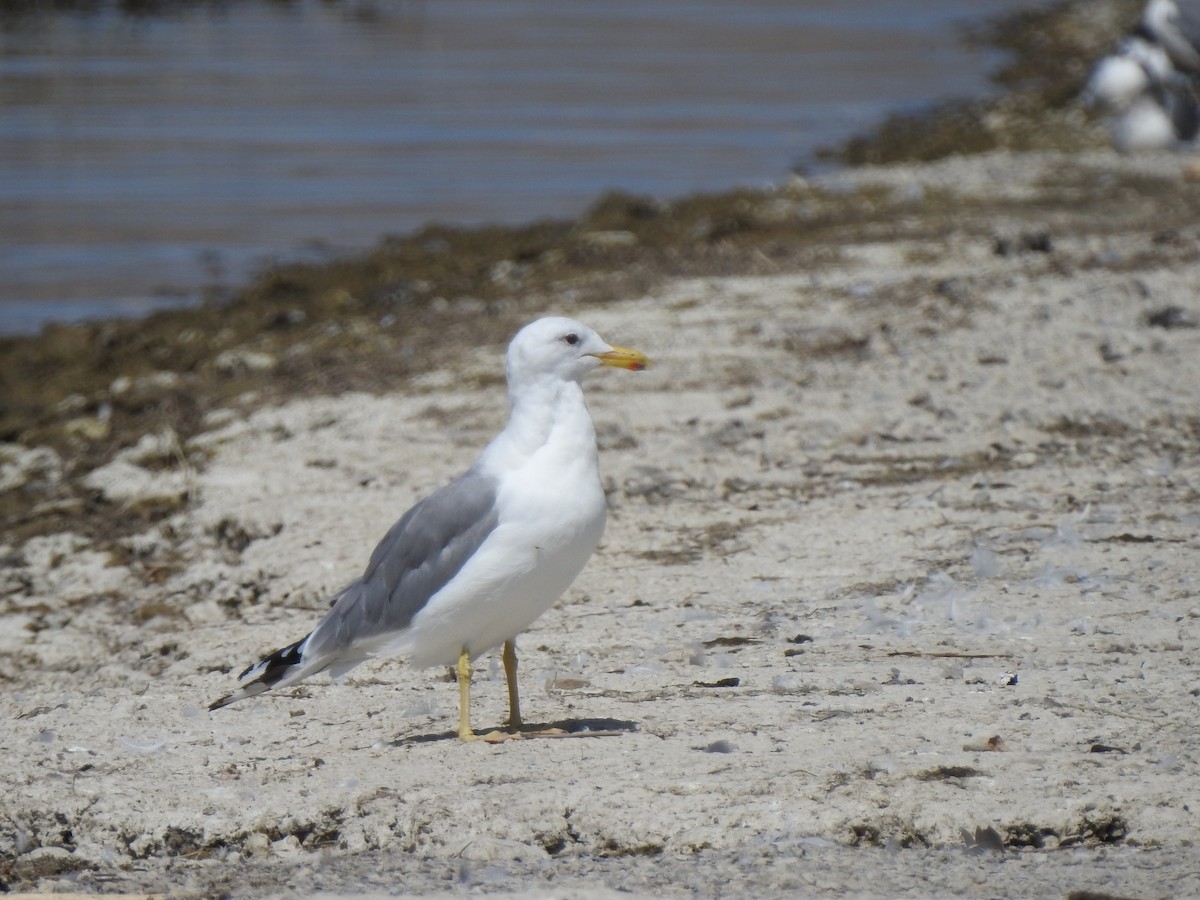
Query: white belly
[{"x": 536, "y": 551}]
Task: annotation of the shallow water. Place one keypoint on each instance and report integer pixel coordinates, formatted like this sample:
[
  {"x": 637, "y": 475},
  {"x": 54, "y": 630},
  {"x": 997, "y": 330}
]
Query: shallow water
[{"x": 148, "y": 159}]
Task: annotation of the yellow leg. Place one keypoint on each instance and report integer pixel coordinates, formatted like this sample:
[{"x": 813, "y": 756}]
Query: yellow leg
[
  {"x": 509, "y": 657},
  {"x": 464, "y": 697}
]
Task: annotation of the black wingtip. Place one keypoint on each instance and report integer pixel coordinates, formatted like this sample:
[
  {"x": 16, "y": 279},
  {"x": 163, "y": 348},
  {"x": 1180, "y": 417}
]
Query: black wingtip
[
  {"x": 265, "y": 674},
  {"x": 272, "y": 669}
]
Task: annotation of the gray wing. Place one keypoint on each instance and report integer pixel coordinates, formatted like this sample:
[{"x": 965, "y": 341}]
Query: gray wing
[
  {"x": 1179, "y": 102},
  {"x": 415, "y": 560}
]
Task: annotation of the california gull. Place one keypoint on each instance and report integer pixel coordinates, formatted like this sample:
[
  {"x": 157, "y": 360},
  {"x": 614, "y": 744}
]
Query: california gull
[
  {"x": 1134, "y": 67},
  {"x": 1152, "y": 104},
  {"x": 473, "y": 564}
]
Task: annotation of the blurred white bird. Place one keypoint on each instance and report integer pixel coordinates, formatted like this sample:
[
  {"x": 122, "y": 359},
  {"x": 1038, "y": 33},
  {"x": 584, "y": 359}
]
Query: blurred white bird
[
  {"x": 1132, "y": 69},
  {"x": 1152, "y": 104}
]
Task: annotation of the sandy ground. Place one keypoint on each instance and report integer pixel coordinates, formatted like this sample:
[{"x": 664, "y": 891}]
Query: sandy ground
[{"x": 898, "y": 597}]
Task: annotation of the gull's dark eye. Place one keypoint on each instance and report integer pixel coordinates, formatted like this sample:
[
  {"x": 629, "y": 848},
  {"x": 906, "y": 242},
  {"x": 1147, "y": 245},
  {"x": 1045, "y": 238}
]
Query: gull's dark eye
[{"x": 571, "y": 338}]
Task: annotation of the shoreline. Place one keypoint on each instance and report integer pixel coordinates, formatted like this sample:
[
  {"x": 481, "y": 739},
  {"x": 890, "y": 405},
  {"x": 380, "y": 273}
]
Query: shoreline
[
  {"x": 332, "y": 190},
  {"x": 369, "y": 322}
]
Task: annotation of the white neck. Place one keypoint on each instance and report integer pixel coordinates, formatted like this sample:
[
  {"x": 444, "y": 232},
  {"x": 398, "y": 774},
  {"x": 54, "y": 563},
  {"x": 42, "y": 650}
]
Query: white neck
[{"x": 547, "y": 416}]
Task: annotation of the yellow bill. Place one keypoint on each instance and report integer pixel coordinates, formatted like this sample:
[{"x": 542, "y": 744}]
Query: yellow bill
[{"x": 623, "y": 358}]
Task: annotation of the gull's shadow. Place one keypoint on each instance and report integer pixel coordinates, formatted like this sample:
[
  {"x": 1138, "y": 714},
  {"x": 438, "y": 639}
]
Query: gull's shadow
[{"x": 569, "y": 728}]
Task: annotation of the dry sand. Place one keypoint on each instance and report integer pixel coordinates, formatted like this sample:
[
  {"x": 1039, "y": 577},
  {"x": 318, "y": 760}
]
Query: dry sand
[{"x": 898, "y": 597}]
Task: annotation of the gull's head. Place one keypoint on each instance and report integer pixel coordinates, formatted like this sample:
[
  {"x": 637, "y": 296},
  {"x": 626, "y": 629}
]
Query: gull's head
[
  {"x": 1161, "y": 18},
  {"x": 564, "y": 349}
]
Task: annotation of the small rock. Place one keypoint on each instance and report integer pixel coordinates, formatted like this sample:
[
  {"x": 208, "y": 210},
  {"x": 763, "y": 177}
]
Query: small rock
[
  {"x": 1172, "y": 317},
  {"x": 256, "y": 844},
  {"x": 287, "y": 847},
  {"x": 204, "y": 612},
  {"x": 123, "y": 482},
  {"x": 21, "y": 466},
  {"x": 1025, "y": 460},
  {"x": 88, "y": 428},
  {"x": 1027, "y": 242},
  {"x": 233, "y": 362}
]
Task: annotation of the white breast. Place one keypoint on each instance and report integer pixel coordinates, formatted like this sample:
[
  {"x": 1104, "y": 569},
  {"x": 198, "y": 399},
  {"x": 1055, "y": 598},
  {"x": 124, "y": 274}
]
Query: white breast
[{"x": 551, "y": 517}]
